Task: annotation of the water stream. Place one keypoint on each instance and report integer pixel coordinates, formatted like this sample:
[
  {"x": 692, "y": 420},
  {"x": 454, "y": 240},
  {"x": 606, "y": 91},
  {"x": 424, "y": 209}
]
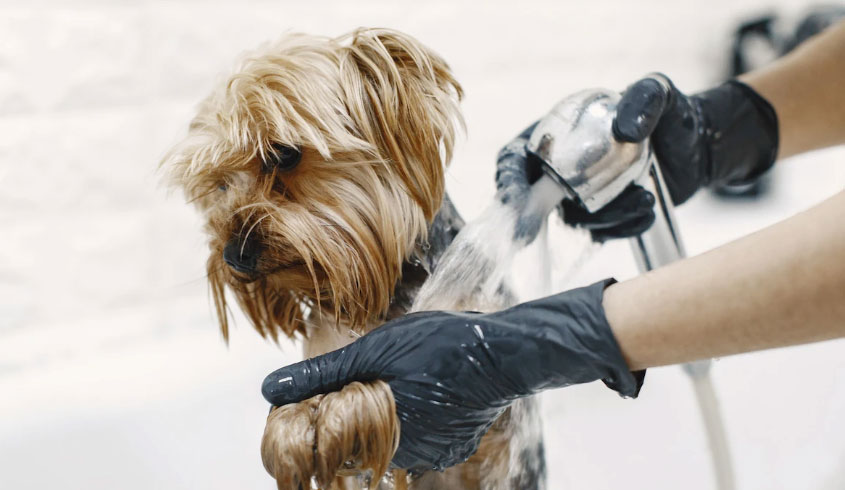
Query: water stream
[{"x": 472, "y": 273}]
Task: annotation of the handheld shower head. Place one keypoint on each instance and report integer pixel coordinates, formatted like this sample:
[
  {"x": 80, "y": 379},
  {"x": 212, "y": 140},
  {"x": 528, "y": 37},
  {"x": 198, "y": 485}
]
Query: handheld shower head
[{"x": 575, "y": 144}]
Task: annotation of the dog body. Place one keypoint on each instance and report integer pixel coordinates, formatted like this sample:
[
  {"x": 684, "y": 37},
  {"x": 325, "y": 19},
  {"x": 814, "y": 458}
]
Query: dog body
[{"x": 319, "y": 166}]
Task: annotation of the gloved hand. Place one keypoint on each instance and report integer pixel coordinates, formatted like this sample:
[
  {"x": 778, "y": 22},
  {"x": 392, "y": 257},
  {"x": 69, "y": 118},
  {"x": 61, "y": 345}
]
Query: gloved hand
[
  {"x": 629, "y": 214},
  {"x": 452, "y": 374},
  {"x": 726, "y": 135},
  {"x": 515, "y": 170}
]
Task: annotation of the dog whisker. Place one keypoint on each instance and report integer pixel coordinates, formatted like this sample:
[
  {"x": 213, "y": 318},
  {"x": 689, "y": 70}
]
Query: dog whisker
[
  {"x": 251, "y": 228},
  {"x": 247, "y": 219}
]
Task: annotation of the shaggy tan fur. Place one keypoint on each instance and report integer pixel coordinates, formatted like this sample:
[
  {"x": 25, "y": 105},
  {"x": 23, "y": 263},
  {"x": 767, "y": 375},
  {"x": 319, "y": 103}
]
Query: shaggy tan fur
[
  {"x": 375, "y": 114},
  {"x": 330, "y": 436}
]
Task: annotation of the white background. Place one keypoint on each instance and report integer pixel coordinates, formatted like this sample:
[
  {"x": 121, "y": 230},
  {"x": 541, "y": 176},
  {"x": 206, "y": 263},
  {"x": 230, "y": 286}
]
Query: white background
[{"x": 112, "y": 372}]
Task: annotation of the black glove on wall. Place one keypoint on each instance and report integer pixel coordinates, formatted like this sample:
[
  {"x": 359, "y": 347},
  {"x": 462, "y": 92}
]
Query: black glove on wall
[{"x": 452, "y": 374}]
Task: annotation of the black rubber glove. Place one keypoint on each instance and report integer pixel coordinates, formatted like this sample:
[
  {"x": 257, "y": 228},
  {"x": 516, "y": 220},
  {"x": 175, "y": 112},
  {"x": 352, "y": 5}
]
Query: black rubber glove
[
  {"x": 629, "y": 214},
  {"x": 515, "y": 170},
  {"x": 452, "y": 374},
  {"x": 727, "y": 135}
]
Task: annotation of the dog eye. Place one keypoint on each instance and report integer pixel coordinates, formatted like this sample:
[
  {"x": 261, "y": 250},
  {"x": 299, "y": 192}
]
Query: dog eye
[
  {"x": 284, "y": 158},
  {"x": 223, "y": 187}
]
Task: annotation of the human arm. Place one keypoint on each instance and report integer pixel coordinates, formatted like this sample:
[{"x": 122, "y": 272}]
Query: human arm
[
  {"x": 730, "y": 134},
  {"x": 806, "y": 89},
  {"x": 781, "y": 286},
  {"x": 735, "y": 131}
]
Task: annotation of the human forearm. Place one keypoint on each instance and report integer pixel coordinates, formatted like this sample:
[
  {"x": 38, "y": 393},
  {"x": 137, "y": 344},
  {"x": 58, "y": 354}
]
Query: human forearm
[
  {"x": 781, "y": 286},
  {"x": 806, "y": 89}
]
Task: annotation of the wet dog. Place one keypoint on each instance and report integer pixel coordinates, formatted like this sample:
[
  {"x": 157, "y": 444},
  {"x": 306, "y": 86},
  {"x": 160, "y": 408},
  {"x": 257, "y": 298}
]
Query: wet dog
[{"x": 319, "y": 168}]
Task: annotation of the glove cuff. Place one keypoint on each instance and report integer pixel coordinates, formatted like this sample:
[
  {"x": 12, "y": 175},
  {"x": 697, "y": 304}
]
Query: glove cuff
[
  {"x": 741, "y": 130},
  {"x": 622, "y": 380}
]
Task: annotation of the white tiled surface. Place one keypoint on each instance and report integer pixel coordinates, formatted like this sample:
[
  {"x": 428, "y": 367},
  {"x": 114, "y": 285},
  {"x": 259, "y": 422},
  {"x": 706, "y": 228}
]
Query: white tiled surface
[{"x": 112, "y": 374}]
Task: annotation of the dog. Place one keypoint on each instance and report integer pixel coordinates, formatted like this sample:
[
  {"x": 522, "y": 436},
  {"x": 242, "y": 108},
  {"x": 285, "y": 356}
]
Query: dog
[{"x": 319, "y": 169}]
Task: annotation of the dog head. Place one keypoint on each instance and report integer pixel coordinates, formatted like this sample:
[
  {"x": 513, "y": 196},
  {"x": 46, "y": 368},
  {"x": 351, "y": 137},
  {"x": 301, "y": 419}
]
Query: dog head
[{"x": 318, "y": 166}]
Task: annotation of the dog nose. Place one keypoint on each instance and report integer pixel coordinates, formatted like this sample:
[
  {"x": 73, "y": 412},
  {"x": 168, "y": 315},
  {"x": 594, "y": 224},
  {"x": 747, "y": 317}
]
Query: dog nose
[{"x": 242, "y": 256}]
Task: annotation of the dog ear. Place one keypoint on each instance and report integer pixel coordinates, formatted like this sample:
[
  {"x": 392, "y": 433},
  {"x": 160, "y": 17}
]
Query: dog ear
[{"x": 404, "y": 100}]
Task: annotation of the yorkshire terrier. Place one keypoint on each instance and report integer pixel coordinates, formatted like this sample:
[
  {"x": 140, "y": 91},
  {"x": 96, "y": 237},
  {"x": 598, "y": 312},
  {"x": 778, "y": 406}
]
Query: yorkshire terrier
[{"x": 319, "y": 168}]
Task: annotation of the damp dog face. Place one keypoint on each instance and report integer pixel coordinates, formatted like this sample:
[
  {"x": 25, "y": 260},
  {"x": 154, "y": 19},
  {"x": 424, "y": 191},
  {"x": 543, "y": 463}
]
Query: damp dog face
[{"x": 318, "y": 165}]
